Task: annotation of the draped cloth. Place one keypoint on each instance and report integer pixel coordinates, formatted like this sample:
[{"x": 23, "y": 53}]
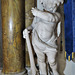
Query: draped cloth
[{"x": 69, "y": 12}]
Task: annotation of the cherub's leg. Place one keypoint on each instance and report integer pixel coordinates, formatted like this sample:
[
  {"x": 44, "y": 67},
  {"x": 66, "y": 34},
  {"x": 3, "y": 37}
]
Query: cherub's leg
[
  {"x": 51, "y": 59},
  {"x": 41, "y": 61},
  {"x": 42, "y": 66}
]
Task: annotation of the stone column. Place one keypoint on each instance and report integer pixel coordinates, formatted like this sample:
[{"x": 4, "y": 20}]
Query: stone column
[
  {"x": 28, "y": 21},
  {"x": 13, "y": 24}
]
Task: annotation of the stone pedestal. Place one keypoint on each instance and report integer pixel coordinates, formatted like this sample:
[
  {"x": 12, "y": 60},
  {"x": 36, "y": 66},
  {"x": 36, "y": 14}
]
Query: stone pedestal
[{"x": 13, "y": 24}]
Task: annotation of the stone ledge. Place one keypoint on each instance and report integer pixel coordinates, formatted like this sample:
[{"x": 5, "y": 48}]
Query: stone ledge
[{"x": 22, "y": 73}]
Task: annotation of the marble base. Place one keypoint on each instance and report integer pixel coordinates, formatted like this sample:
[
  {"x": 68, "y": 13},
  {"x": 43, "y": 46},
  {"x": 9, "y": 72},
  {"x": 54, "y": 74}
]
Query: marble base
[
  {"x": 70, "y": 68},
  {"x": 22, "y": 73}
]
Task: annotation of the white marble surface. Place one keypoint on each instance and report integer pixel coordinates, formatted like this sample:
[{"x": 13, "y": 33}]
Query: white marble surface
[{"x": 70, "y": 68}]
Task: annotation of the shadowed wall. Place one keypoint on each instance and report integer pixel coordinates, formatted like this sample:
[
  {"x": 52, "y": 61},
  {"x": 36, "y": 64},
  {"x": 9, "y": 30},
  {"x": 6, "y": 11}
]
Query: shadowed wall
[{"x": 0, "y": 38}]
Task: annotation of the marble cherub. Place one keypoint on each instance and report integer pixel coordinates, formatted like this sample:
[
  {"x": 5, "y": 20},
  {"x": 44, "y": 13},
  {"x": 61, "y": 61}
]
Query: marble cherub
[{"x": 43, "y": 33}]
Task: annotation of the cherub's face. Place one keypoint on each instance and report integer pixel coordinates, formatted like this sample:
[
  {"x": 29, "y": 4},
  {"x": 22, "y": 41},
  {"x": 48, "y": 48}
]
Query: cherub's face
[{"x": 51, "y": 5}]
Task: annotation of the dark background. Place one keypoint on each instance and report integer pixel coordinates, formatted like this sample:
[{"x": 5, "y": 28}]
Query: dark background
[{"x": 0, "y": 38}]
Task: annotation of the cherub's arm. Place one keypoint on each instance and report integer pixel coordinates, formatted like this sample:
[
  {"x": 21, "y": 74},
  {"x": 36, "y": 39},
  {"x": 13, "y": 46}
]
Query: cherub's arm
[
  {"x": 30, "y": 28},
  {"x": 32, "y": 25},
  {"x": 51, "y": 17}
]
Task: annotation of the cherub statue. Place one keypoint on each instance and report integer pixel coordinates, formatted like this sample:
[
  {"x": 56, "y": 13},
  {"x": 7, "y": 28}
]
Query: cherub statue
[{"x": 43, "y": 33}]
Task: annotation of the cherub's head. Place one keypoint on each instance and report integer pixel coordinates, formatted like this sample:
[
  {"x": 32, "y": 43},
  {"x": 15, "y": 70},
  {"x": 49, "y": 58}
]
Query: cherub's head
[{"x": 50, "y": 5}]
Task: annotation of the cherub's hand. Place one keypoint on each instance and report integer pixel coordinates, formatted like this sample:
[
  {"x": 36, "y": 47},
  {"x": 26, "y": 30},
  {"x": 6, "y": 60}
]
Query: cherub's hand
[
  {"x": 25, "y": 33},
  {"x": 34, "y": 11}
]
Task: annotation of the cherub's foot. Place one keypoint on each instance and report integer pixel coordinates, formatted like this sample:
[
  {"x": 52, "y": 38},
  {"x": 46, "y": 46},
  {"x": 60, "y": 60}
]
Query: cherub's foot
[{"x": 56, "y": 73}]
